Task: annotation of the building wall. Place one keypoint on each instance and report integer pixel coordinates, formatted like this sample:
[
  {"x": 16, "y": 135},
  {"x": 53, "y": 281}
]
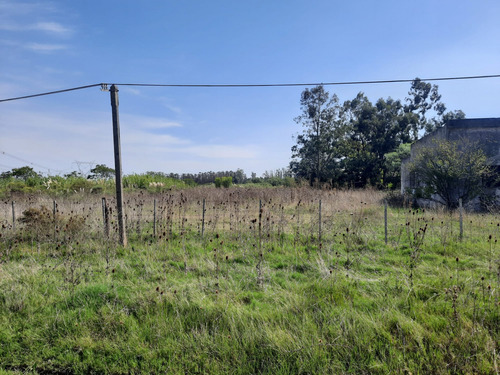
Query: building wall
[
  {"x": 439, "y": 134},
  {"x": 484, "y": 131}
]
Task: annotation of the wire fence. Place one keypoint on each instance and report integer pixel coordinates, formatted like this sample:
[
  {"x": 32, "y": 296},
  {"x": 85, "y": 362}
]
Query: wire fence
[{"x": 257, "y": 217}]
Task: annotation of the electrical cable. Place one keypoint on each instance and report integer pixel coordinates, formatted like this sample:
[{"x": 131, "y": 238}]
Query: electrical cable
[
  {"x": 6, "y": 166},
  {"x": 50, "y": 92},
  {"x": 29, "y": 162},
  {"x": 103, "y": 85},
  {"x": 305, "y": 84}
]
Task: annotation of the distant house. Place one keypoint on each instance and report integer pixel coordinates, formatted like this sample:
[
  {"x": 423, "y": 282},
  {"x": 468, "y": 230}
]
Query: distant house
[{"x": 484, "y": 131}]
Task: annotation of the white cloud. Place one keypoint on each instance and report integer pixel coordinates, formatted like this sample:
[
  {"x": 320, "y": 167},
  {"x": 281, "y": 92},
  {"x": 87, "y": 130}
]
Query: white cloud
[
  {"x": 36, "y": 47},
  {"x": 132, "y": 91},
  {"x": 167, "y": 103},
  {"x": 20, "y": 8},
  {"x": 52, "y": 27},
  {"x": 28, "y": 22},
  {"x": 144, "y": 122},
  {"x": 134, "y": 137},
  {"x": 44, "y": 47},
  {"x": 223, "y": 151},
  {"x": 57, "y": 140},
  {"x": 48, "y": 27}
]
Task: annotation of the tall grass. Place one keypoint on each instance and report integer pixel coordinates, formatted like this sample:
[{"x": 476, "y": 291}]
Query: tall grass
[{"x": 257, "y": 293}]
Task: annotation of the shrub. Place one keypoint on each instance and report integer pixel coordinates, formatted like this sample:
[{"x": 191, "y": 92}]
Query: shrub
[
  {"x": 227, "y": 181},
  {"x": 451, "y": 171},
  {"x": 80, "y": 184},
  {"x": 394, "y": 198},
  {"x": 41, "y": 222},
  {"x": 223, "y": 182}
]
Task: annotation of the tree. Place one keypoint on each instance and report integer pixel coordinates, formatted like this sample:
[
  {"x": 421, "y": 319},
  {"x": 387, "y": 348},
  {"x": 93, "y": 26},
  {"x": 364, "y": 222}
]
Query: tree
[
  {"x": 447, "y": 171},
  {"x": 314, "y": 155},
  {"x": 371, "y": 131},
  {"x": 423, "y": 99},
  {"x": 392, "y": 162},
  {"x": 101, "y": 171},
  {"x": 73, "y": 174},
  {"x": 239, "y": 177},
  {"x": 346, "y": 144},
  {"x": 22, "y": 173}
]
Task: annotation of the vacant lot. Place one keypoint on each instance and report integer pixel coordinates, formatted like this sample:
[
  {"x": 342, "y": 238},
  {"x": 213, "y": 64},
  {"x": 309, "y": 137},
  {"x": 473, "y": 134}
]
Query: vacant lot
[{"x": 277, "y": 281}]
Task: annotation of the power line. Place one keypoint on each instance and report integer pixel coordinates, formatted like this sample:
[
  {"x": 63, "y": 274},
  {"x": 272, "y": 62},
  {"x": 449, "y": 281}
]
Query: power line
[
  {"x": 50, "y": 92},
  {"x": 29, "y": 162},
  {"x": 306, "y": 84},
  {"x": 6, "y": 166},
  {"x": 340, "y": 83}
]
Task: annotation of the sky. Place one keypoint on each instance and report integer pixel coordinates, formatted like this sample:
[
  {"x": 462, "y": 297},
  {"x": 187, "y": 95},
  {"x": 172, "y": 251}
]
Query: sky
[{"x": 53, "y": 45}]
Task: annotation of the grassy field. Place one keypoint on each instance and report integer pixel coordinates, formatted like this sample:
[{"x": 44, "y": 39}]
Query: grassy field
[{"x": 263, "y": 282}]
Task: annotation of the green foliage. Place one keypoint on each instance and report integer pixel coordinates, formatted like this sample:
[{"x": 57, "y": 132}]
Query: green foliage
[
  {"x": 424, "y": 98},
  {"x": 225, "y": 182},
  {"x": 392, "y": 163},
  {"x": 346, "y": 145},
  {"x": 276, "y": 181},
  {"x": 314, "y": 155},
  {"x": 153, "y": 182},
  {"x": 79, "y": 184},
  {"x": 187, "y": 304},
  {"x": 23, "y": 173},
  {"x": 101, "y": 171},
  {"x": 452, "y": 170},
  {"x": 101, "y": 181},
  {"x": 41, "y": 223}
]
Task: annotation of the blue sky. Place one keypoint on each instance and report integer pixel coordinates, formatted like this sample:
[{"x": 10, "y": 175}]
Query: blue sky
[{"x": 51, "y": 45}]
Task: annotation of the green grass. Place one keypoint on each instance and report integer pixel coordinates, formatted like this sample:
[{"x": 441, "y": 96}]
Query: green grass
[{"x": 84, "y": 305}]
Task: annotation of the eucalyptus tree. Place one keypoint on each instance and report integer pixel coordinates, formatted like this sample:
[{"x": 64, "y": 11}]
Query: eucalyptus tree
[
  {"x": 315, "y": 156},
  {"x": 347, "y": 144},
  {"x": 425, "y": 110}
]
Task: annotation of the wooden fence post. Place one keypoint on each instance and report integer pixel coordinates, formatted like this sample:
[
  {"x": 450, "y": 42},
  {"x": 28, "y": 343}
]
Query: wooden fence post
[
  {"x": 260, "y": 224},
  {"x": 54, "y": 211},
  {"x": 385, "y": 221},
  {"x": 13, "y": 215},
  {"x": 203, "y": 219},
  {"x": 460, "y": 207},
  {"x": 319, "y": 222},
  {"x": 154, "y": 218},
  {"x": 105, "y": 217}
]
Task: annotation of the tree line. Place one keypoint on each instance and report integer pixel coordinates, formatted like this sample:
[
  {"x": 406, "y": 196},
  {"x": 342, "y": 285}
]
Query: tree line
[
  {"x": 359, "y": 143},
  {"x": 101, "y": 179}
]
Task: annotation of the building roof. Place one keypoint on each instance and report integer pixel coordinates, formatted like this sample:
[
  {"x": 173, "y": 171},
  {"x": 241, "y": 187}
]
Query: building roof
[{"x": 491, "y": 122}]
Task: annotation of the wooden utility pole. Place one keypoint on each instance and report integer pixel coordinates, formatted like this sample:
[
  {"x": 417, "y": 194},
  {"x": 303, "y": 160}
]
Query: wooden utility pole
[{"x": 118, "y": 165}]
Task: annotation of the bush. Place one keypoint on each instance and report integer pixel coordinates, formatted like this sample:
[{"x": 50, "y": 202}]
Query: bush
[
  {"x": 450, "y": 170},
  {"x": 223, "y": 182},
  {"x": 154, "y": 183},
  {"x": 41, "y": 222},
  {"x": 395, "y": 199},
  {"x": 16, "y": 186},
  {"x": 80, "y": 184},
  {"x": 227, "y": 181}
]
